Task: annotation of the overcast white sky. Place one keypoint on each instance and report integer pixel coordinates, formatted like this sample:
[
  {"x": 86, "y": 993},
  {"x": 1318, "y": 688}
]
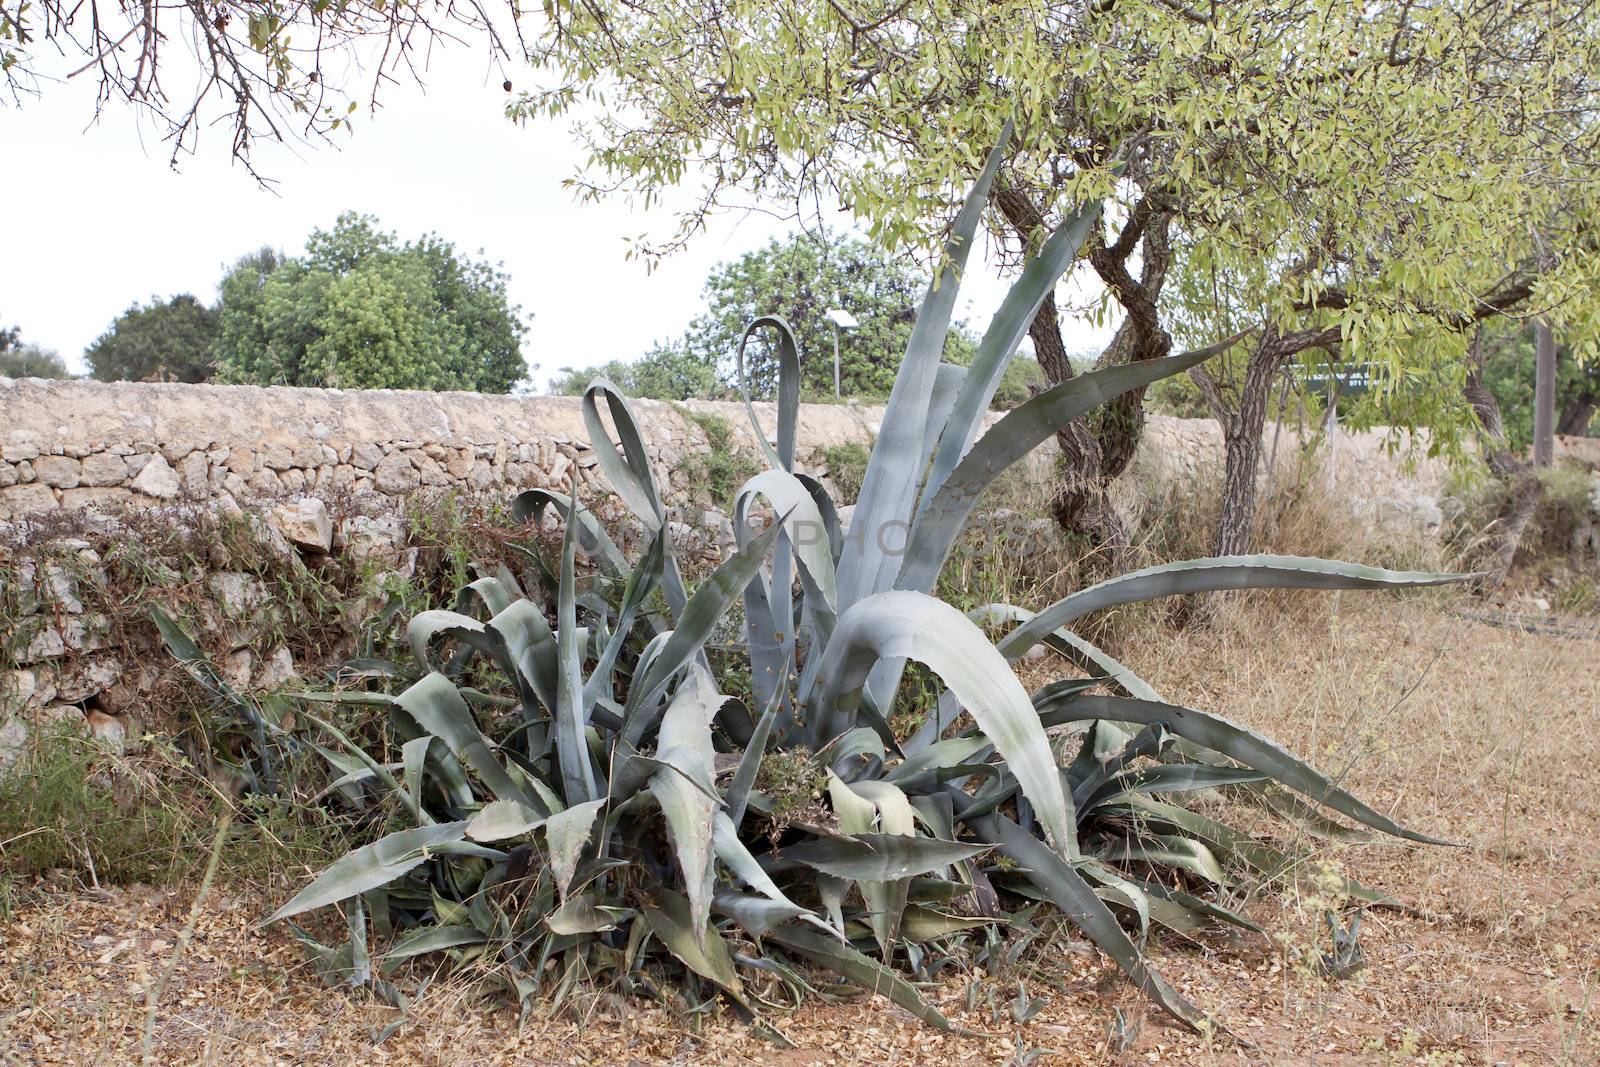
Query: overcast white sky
[{"x": 95, "y": 218}]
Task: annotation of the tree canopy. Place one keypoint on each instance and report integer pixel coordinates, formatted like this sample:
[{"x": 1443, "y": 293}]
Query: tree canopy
[
  {"x": 166, "y": 341},
  {"x": 20, "y": 359},
  {"x": 361, "y": 310}
]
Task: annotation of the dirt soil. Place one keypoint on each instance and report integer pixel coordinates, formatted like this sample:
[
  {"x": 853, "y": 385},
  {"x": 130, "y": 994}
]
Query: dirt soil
[{"x": 1479, "y": 734}]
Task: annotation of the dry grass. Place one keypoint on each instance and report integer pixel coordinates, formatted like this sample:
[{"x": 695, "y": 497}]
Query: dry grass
[{"x": 1484, "y": 735}]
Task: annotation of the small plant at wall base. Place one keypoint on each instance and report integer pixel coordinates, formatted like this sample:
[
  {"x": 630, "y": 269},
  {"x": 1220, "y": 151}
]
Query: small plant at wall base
[{"x": 581, "y": 802}]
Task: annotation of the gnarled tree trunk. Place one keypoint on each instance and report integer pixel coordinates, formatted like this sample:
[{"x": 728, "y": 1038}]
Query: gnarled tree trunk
[{"x": 1499, "y": 549}]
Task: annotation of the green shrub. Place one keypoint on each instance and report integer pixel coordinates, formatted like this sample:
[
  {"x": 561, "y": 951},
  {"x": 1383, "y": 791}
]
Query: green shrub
[
  {"x": 578, "y": 798},
  {"x": 847, "y": 466}
]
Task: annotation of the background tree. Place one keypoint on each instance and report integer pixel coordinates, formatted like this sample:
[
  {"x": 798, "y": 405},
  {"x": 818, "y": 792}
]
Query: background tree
[
  {"x": 170, "y": 341},
  {"x": 18, "y": 359},
  {"x": 360, "y": 310},
  {"x": 667, "y": 372},
  {"x": 801, "y": 278},
  {"x": 1300, "y": 176}
]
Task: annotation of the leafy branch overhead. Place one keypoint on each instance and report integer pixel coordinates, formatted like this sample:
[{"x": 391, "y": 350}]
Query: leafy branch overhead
[{"x": 572, "y": 795}]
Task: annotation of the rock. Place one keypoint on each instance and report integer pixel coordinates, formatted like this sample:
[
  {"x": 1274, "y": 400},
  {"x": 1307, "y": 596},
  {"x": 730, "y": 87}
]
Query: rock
[
  {"x": 109, "y": 730},
  {"x": 25, "y": 688},
  {"x": 62, "y": 472},
  {"x": 13, "y": 741},
  {"x": 366, "y": 536},
  {"x": 81, "y": 679},
  {"x": 99, "y": 498},
  {"x": 237, "y": 594},
  {"x": 193, "y": 471},
  {"x": 157, "y": 479},
  {"x": 304, "y": 523},
  {"x": 20, "y": 501},
  {"x": 20, "y": 446},
  {"x": 277, "y": 670},
  {"x": 103, "y": 468},
  {"x": 396, "y": 475},
  {"x": 366, "y": 455},
  {"x": 236, "y": 667}
]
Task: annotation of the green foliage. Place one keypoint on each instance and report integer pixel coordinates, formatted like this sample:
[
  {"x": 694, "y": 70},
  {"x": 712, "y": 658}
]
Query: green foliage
[
  {"x": 1509, "y": 373},
  {"x": 807, "y": 275},
  {"x": 21, "y": 360},
  {"x": 666, "y": 372},
  {"x": 172, "y": 341},
  {"x": 722, "y": 466},
  {"x": 576, "y": 798},
  {"x": 360, "y": 310},
  {"x": 847, "y": 466}
]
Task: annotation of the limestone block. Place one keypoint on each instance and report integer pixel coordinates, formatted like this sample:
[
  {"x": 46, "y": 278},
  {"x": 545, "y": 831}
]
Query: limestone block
[
  {"x": 103, "y": 468},
  {"x": 395, "y": 474},
  {"x": 304, "y": 523},
  {"x": 62, "y": 472},
  {"x": 157, "y": 479}
]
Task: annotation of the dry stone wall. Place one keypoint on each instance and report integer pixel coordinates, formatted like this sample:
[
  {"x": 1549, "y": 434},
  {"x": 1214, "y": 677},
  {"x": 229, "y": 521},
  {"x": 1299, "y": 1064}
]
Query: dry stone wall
[{"x": 315, "y": 475}]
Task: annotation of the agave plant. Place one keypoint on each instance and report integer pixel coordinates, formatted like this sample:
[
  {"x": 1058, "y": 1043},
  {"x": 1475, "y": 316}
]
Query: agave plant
[{"x": 578, "y": 797}]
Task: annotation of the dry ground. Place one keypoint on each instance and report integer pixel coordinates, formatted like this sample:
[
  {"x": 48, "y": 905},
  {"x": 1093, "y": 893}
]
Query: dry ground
[{"x": 1481, "y": 734}]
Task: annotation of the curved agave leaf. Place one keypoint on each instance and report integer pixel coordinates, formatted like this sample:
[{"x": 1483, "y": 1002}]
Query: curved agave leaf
[
  {"x": 1168, "y": 850},
  {"x": 529, "y": 505},
  {"x": 860, "y": 970},
  {"x": 802, "y": 521},
  {"x": 630, "y": 475},
  {"x": 889, "y": 488},
  {"x": 781, "y": 457},
  {"x": 886, "y": 900},
  {"x": 1239, "y": 743},
  {"x": 1068, "y": 891},
  {"x": 435, "y": 705},
  {"x": 1019, "y": 431},
  {"x": 999, "y": 344},
  {"x": 424, "y": 939},
  {"x": 755, "y": 915},
  {"x": 684, "y": 745},
  {"x": 1075, "y": 648},
  {"x": 571, "y": 714},
  {"x": 708, "y": 955},
  {"x": 880, "y": 857},
  {"x": 1212, "y": 575},
  {"x": 370, "y": 866},
  {"x": 915, "y": 626}
]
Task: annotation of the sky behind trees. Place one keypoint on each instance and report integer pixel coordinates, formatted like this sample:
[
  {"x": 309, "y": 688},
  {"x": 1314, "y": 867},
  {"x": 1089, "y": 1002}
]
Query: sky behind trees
[{"x": 103, "y": 220}]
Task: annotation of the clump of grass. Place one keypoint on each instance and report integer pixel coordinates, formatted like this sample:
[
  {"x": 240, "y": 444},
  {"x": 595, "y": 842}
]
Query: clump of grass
[
  {"x": 724, "y": 465},
  {"x": 847, "y": 466}
]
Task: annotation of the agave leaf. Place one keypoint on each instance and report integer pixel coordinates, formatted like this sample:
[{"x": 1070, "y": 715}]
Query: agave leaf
[
  {"x": 880, "y": 857},
  {"x": 906, "y": 625},
  {"x": 571, "y": 714},
  {"x": 565, "y": 833},
  {"x": 1211, "y": 575},
  {"x": 437, "y": 707},
  {"x": 781, "y": 457},
  {"x": 642, "y": 581},
  {"x": 1068, "y": 891},
  {"x": 580, "y": 915},
  {"x": 502, "y": 819},
  {"x": 1006, "y": 331},
  {"x": 744, "y": 779},
  {"x": 424, "y": 939},
  {"x": 1019, "y": 431},
  {"x": 1095, "y": 660},
  {"x": 1168, "y": 850},
  {"x": 370, "y": 866},
  {"x": 685, "y": 747},
  {"x": 1176, "y": 778},
  {"x": 528, "y": 651},
  {"x": 919, "y": 768},
  {"x": 488, "y": 591},
  {"x": 756, "y": 915},
  {"x": 1238, "y": 743},
  {"x": 803, "y": 522},
  {"x": 861, "y": 970},
  {"x": 708, "y": 955},
  {"x": 695, "y": 623},
  {"x": 630, "y": 475},
  {"x": 889, "y": 487},
  {"x": 886, "y": 901}
]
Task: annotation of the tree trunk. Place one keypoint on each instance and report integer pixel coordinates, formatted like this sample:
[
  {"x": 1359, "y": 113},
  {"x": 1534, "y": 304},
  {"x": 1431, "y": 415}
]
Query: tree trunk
[
  {"x": 1577, "y": 414},
  {"x": 1544, "y": 394},
  {"x": 1242, "y": 425},
  {"x": 1493, "y": 559},
  {"x": 1097, "y": 448}
]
